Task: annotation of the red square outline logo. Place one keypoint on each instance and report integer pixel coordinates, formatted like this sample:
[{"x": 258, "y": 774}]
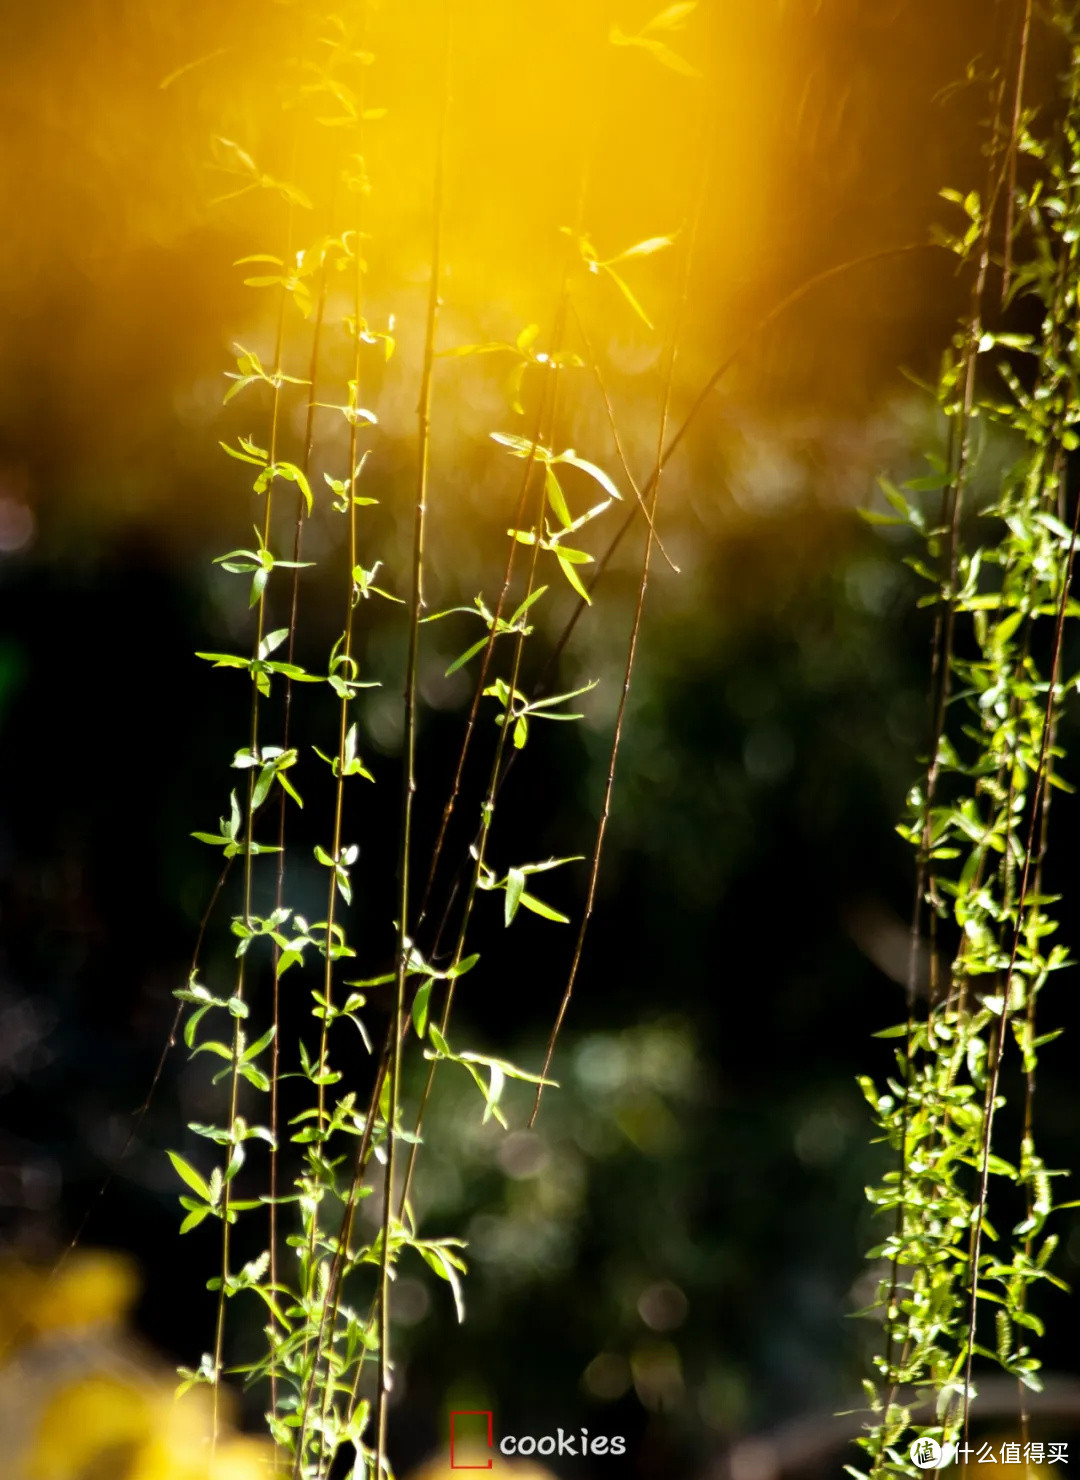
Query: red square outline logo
[{"x": 469, "y": 1413}]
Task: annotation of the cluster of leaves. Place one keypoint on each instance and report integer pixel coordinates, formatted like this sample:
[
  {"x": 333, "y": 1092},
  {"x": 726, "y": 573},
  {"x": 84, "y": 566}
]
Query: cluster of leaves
[
  {"x": 327, "y": 1365},
  {"x": 967, "y": 1214}
]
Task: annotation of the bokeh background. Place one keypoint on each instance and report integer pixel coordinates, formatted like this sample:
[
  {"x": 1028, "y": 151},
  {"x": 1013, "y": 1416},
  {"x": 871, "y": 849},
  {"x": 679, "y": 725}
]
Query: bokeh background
[{"x": 676, "y": 1253}]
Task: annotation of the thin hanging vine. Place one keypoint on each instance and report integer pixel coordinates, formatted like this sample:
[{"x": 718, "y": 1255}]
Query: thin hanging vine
[
  {"x": 960, "y": 1265},
  {"x": 325, "y": 1277}
]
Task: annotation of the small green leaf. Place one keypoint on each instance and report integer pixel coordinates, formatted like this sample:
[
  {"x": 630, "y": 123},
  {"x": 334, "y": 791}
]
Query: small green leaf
[
  {"x": 538, "y": 907},
  {"x": 567, "y": 568},
  {"x": 420, "y": 1007},
  {"x": 556, "y": 498},
  {"x": 571, "y": 457},
  {"x": 515, "y": 885},
  {"x": 185, "y": 1170}
]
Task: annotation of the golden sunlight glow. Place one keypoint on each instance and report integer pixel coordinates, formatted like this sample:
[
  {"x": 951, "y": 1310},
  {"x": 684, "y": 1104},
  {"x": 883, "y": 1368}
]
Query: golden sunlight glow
[{"x": 114, "y": 264}]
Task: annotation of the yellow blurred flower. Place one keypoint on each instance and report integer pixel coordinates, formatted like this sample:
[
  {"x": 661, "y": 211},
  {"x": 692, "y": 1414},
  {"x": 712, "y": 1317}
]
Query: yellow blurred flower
[
  {"x": 87, "y": 1423},
  {"x": 104, "y": 1425},
  {"x": 85, "y": 1403},
  {"x": 92, "y": 1287},
  {"x": 502, "y": 1468}
]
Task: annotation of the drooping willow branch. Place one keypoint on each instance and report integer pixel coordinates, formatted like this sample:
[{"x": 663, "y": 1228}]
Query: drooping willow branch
[{"x": 979, "y": 820}]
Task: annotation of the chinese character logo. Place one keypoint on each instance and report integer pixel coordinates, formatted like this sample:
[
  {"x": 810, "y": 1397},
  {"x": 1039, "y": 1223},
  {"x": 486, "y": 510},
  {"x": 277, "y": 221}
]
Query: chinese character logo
[
  {"x": 928, "y": 1454},
  {"x": 1033, "y": 1453}
]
